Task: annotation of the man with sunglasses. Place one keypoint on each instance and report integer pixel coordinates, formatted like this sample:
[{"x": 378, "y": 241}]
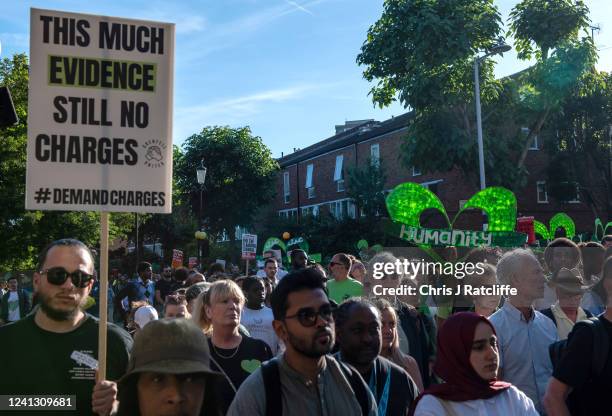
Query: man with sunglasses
[
  {"x": 342, "y": 286},
  {"x": 305, "y": 379},
  {"x": 54, "y": 350}
]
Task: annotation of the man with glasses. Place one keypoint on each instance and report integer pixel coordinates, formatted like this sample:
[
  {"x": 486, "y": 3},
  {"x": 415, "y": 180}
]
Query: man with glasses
[
  {"x": 54, "y": 351},
  {"x": 305, "y": 379},
  {"x": 342, "y": 287}
]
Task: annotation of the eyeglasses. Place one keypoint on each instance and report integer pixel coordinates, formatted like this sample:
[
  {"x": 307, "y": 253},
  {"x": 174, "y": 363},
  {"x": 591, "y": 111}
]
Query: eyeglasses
[
  {"x": 58, "y": 275},
  {"x": 308, "y": 316}
]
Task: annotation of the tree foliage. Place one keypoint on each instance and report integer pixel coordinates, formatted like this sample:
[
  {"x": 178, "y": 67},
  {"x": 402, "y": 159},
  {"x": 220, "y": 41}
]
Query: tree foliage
[
  {"x": 240, "y": 178},
  {"x": 580, "y": 147},
  {"x": 366, "y": 186},
  {"x": 421, "y": 52}
]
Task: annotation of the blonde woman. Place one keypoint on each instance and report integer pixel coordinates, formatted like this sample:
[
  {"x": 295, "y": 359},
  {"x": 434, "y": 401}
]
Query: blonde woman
[
  {"x": 390, "y": 342},
  {"x": 233, "y": 354}
]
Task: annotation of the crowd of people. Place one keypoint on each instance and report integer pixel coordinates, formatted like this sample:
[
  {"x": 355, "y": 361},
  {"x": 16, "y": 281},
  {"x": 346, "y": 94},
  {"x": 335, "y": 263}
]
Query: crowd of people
[{"x": 311, "y": 340}]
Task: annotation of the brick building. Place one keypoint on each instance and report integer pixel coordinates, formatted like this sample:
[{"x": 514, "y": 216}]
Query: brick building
[{"x": 313, "y": 179}]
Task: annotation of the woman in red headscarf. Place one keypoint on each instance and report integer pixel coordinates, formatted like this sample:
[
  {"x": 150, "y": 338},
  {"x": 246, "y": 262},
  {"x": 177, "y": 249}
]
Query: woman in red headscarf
[{"x": 468, "y": 361}]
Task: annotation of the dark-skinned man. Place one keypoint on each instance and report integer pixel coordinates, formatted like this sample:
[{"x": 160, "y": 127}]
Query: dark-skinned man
[{"x": 359, "y": 337}]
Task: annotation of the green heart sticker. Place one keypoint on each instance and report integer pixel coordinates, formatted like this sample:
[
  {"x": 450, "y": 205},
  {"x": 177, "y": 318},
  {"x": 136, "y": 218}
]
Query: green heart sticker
[{"x": 250, "y": 365}]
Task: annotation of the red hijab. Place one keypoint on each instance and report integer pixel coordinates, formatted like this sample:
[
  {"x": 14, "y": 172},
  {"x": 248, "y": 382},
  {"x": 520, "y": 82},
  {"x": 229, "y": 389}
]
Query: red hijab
[{"x": 462, "y": 383}]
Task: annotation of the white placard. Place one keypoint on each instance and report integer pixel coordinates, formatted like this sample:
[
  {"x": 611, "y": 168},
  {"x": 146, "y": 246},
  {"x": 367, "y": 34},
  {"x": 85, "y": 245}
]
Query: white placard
[
  {"x": 249, "y": 246},
  {"x": 100, "y": 113}
]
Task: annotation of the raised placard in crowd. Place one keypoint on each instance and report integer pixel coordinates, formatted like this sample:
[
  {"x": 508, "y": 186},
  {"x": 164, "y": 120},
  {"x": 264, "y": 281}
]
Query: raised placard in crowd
[
  {"x": 100, "y": 113},
  {"x": 249, "y": 246}
]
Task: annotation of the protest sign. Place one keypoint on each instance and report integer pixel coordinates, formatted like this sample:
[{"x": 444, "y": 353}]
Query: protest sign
[
  {"x": 193, "y": 261},
  {"x": 177, "y": 259},
  {"x": 249, "y": 246},
  {"x": 99, "y": 113}
]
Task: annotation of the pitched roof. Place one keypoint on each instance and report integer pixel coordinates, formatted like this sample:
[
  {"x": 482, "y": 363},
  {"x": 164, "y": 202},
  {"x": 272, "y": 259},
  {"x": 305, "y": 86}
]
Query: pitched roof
[{"x": 360, "y": 133}]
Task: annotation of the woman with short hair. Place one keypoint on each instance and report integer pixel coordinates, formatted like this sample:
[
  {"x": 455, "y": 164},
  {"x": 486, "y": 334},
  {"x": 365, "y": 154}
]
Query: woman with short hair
[{"x": 232, "y": 353}]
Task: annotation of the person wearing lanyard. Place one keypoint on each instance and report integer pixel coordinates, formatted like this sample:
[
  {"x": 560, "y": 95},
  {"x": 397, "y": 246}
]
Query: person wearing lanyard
[{"x": 359, "y": 338}]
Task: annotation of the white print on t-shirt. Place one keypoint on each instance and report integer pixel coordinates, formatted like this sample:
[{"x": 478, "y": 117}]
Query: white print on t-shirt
[{"x": 83, "y": 358}]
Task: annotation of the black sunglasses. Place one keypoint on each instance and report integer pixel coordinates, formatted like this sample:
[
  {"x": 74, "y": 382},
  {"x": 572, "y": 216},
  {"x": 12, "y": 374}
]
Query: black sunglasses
[
  {"x": 308, "y": 316},
  {"x": 58, "y": 275}
]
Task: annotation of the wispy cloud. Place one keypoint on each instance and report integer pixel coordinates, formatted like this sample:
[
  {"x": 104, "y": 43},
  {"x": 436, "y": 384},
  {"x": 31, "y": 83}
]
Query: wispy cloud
[
  {"x": 237, "y": 110},
  {"x": 226, "y": 34},
  {"x": 299, "y": 7}
]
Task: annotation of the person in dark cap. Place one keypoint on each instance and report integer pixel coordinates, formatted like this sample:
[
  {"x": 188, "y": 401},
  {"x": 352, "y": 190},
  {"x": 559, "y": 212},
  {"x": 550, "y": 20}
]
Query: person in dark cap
[{"x": 169, "y": 372}]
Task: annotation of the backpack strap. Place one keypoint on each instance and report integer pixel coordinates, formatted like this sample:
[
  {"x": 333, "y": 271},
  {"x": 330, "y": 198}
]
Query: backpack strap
[
  {"x": 358, "y": 386},
  {"x": 271, "y": 379}
]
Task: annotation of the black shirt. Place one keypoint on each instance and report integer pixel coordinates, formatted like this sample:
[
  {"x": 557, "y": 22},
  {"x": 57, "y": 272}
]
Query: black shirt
[
  {"x": 165, "y": 287},
  {"x": 400, "y": 392},
  {"x": 591, "y": 395},
  {"x": 39, "y": 362},
  {"x": 237, "y": 365}
]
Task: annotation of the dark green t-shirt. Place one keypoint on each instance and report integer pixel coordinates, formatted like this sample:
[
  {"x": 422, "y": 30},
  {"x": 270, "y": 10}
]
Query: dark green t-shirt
[{"x": 39, "y": 362}]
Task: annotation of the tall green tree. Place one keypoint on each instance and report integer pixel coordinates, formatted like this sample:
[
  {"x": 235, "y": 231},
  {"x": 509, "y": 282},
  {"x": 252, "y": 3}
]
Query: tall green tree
[
  {"x": 421, "y": 53},
  {"x": 366, "y": 186},
  {"x": 176, "y": 230},
  {"x": 580, "y": 147},
  {"x": 240, "y": 178},
  {"x": 24, "y": 233}
]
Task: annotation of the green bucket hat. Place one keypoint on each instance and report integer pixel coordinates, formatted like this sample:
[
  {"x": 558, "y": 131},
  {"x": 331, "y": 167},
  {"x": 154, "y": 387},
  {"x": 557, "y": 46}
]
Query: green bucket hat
[{"x": 169, "y": 346}]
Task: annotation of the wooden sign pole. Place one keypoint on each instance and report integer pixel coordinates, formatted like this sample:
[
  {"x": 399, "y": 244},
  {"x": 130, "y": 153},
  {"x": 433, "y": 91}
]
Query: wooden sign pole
[{"x": 103, "y": 296}]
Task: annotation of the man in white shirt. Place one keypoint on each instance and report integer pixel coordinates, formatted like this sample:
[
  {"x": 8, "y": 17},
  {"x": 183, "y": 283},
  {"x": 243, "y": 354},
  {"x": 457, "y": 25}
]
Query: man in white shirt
[
  {"x": 524, "y": 334},
  {"x": 271, "y": 271}
]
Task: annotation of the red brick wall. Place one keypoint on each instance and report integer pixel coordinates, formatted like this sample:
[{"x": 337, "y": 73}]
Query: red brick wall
[{"x": 455, "y": 185}]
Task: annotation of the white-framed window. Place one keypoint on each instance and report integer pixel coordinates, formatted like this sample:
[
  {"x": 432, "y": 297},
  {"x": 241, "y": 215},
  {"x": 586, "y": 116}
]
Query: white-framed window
[
  {"x": 576, "y": 199},
  {"x": 416, "y": 172},
  {"x": 351, "y": 209},
  {"x": 311, "y": 192},
  {"x": 312, "y": 210},
  {"x": 288, "y": 213},
  {"x": 286, "y": 187},
  {"x": 375, "y": 154},
  {"x": 542, "y": 193},
  {"x": 309, "y": 186},
  {"x": 309, "y": 172},
  {"x": 340, "y": 185},
  {"x": 462, "y": 203},
  {"x": 338, "y": 174},
  {"x": 535, "y": 145}
]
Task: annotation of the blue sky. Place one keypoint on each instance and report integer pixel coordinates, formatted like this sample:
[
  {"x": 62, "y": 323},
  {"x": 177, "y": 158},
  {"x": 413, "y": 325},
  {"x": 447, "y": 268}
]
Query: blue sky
[{"x": 286, "y": 68}]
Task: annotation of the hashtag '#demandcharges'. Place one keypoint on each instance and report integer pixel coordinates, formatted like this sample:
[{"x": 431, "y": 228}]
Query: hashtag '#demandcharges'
[{"x": 100, "y": 197}]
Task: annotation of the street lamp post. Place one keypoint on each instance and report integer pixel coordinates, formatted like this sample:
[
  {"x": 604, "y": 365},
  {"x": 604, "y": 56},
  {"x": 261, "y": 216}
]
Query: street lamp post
[
  {"x": 500, "y": 48},
  {"x": 201, "y": 176}
]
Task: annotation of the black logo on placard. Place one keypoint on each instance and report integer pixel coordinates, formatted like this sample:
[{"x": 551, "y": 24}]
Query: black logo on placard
[{"x": 155, "y": 153}]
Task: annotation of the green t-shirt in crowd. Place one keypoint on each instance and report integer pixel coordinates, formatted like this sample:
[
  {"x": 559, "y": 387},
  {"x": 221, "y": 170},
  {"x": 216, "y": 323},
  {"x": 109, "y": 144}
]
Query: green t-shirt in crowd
[
  {"x": 38, "y": 362},
  {"x": 339, "y": 291}
]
